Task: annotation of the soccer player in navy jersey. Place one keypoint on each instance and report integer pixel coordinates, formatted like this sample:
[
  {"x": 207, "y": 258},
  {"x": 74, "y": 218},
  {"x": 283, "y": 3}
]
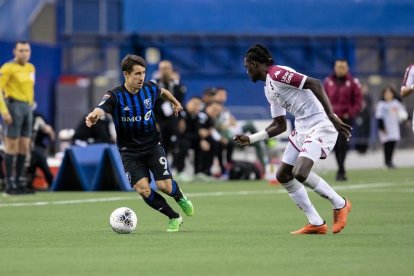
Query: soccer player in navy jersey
[
  {"x": 313, "y": 138},
  {"x": 131, "y": 106}
]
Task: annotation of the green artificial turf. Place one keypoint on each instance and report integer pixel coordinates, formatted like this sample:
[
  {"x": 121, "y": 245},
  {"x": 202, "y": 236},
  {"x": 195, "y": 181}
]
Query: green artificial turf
[{"x": 239, "y": 228}]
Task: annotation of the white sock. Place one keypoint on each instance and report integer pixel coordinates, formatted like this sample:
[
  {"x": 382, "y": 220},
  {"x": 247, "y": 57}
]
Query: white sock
[
  {"x": 300, "y": 197},
  {"x": 316, "y": 183}
]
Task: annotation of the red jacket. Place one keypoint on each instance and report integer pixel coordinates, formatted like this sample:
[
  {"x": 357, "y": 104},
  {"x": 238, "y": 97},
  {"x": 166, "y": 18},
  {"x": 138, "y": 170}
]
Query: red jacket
[{"x": 345, "y": 95}]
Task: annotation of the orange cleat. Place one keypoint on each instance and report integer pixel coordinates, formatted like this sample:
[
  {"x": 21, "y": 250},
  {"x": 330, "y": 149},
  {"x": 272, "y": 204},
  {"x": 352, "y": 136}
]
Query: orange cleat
[
  {"x": 340, "y": 216},
  {"x": 312, "y": 229}
]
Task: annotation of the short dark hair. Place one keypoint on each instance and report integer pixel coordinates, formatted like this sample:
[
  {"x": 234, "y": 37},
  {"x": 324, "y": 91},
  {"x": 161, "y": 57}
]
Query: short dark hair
[
  {"x": 129, "y": 61},
  {"x": 260, "y": 54},
  {"x": 210, "y": 91},
  {"x": 20, "y": 42}
]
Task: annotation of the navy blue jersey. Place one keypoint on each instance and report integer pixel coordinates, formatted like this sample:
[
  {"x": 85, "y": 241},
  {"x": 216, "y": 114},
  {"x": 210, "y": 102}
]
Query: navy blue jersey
[{"x": 133, "y": 116}]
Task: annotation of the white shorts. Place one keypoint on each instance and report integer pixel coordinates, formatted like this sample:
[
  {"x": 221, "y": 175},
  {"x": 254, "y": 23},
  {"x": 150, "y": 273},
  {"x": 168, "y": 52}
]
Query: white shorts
[{"x": 316, "y": 144}]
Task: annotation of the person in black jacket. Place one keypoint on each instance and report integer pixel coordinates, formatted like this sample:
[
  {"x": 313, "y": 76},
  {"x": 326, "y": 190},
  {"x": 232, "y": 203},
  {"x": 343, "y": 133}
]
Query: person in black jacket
[{"x": 167, "y": 122}]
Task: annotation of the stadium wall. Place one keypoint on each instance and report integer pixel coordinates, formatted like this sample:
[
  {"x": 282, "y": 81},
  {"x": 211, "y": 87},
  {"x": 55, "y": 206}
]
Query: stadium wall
[{"x": 269, "y": 17}]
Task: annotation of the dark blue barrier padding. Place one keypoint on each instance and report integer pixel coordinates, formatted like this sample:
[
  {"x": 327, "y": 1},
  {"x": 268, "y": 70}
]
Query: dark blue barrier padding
[
  {"x": 69, "y": 176},
  {"x": 110, "y": 174},
  {"x": 89, "y": 159},
  {"x": 96, "y": 167}
]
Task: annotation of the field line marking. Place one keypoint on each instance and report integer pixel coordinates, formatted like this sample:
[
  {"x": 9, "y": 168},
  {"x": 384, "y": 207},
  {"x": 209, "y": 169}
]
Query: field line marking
[{"x": 202, "y": 194}]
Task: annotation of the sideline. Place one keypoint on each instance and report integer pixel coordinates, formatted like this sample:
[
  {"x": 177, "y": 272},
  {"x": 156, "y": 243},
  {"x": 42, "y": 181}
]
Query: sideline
[{"x": 203, "y": 194}]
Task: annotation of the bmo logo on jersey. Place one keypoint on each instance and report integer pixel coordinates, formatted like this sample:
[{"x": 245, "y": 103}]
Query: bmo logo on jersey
[{"x": 137, "y": 118}]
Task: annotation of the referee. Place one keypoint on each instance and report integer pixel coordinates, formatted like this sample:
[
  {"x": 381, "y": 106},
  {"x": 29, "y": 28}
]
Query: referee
[
  {"x": 17, "y": 79},
  {"x": 132, "y": 108}
]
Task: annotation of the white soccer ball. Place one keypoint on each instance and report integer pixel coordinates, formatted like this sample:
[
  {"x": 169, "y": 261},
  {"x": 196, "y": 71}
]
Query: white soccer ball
[{"x": 123, "y": 220}]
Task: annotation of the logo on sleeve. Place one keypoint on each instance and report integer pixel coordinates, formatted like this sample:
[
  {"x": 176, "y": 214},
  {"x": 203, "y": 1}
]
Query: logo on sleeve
[
  {"x": 104, "y": 98},
  {"x": 287, "y": 77}
]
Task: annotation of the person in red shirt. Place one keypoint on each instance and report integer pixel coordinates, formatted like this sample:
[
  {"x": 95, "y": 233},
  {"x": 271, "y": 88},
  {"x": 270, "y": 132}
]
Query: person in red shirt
[{"x": 344, "y": 92}]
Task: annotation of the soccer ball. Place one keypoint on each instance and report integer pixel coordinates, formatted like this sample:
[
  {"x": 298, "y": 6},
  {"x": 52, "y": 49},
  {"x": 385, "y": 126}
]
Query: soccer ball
[{"x": 123, "y": 220}]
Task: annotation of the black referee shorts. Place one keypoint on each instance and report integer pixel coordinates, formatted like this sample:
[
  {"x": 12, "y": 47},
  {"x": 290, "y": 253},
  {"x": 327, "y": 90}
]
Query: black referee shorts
[{"x": 138, "y": 166}]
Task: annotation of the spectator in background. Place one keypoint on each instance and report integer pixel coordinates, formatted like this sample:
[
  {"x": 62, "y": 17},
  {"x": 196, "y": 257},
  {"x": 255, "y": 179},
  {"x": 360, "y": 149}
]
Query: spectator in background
[
  {"x": 167, "y": 122},
  {"x": 17, "y": 79},
  {"x": 407, "y": 86},
  {"x": 344, "y": 92},
  {"x": 228, "y": 126},
  {"x": 101, "y": 132},
  {"x": 389, "y": 113},
  {"x": 209, "y": 137},
  {"x": 187, "y": 138},
  {"x": 43, "y": 133},
  {"x": 225, "y": 125},
  {"x": 208, "y": 95}
]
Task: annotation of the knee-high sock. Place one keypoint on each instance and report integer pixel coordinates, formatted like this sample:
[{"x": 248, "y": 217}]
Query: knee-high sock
[
  {"x": 157, "y": 202},
  {"x": 20, "y": 160},
  {"x": 298, "y": 194},
  {"x": 322, "y": 188},
  {"x": 8, "y": 160},
  {"x": 175, "y": 192}
]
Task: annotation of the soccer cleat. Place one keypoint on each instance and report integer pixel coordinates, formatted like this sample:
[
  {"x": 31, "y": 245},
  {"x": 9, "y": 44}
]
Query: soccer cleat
[
  {"x": 174, "y": 224},
  {"x": 312, "y": 229},
  {"x": 340, "y": 216},
  {"x": 186, "y": 205}
]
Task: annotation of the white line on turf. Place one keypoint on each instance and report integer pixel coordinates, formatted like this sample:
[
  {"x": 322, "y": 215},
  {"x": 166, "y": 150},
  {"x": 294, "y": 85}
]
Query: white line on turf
[{"x": 204, "y": 194}]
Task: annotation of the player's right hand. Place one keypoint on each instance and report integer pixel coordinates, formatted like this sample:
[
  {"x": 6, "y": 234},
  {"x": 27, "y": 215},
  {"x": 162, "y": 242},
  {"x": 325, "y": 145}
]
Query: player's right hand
[
  {"x": 242, "y": 140},
  {"x": 91, "y": 119}
]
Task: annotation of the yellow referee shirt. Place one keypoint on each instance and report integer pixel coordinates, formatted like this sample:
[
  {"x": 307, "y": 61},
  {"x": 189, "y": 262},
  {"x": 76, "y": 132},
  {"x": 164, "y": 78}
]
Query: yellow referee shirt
[{"x": 17, "y": 82}]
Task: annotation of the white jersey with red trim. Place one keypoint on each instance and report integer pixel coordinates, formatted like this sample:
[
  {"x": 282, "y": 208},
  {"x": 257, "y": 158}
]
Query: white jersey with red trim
[{"x": 284, "y": 91}]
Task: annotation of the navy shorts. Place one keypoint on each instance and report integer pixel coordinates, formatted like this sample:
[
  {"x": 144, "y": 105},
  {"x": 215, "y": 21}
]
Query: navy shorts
[
  {"x": 22, "y": 116},
  {"x": 138, "y": 166}
]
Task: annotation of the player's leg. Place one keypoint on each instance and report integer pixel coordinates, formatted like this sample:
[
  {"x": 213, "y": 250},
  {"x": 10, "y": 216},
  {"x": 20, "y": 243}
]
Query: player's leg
[
  {"x": 138, "y": 176},
  {"x": 158, "y": 164},
  {"x": 297, "y": 192},
  {"x": 157, "y": 202},
  {"x": 314, "y": 148}
]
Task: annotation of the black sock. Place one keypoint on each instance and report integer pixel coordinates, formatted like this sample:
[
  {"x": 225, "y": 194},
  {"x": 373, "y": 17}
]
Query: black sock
[
  {"x": 157, "y": 202},
  {"x": 176, "y": 192},
  {"x": 8, "y": 160},
  {"x": 21, "y": 159}
]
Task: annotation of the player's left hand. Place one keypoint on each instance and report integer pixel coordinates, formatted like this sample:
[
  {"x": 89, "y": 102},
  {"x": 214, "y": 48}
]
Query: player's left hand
[
  {"x": 177, "y": 108},
  {"x": 242, "y": 140},
  {"x": 342, "y": 128}
]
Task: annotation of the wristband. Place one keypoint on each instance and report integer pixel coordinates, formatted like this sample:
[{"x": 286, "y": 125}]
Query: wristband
[
  {"x": 412, "y": 87},
  {"x": 261, "y": 135}
]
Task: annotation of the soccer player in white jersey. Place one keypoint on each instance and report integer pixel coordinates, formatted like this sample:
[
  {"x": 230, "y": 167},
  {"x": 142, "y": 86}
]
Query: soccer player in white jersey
[
  {"x": 314, "y": 137},
  {"x": 408, "y": 84}
]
